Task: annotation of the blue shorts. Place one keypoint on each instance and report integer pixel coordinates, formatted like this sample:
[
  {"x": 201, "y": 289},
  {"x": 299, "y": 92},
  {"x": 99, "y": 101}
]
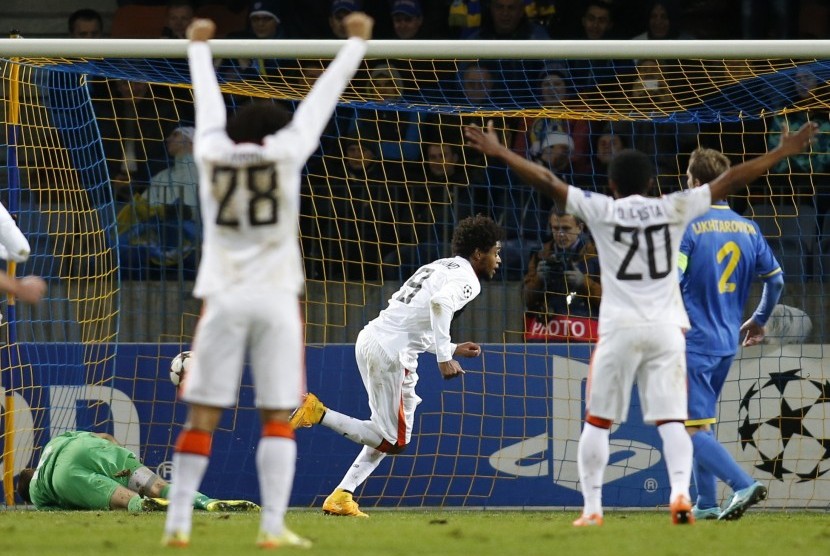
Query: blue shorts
[{"x": 707, "y": 373}]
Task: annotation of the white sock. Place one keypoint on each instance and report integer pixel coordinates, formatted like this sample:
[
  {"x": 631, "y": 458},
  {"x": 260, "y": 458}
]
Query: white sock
[
  {"x": 677, "y": 451},
  {"x": 276, "y": 460},
  {"x": 592, "y": 458},
  {"x": 365, "y": 462},
  {"x": 362, "y": 432},
  {"x": 188, "y": 472}
]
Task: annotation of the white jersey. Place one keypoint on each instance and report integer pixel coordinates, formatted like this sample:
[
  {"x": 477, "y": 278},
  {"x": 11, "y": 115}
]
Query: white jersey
[
  {"x": 249, "y": 193},
  {"x": 638, "y": 240},
  {"x": 13, "y": 244},
  {"x": 419, "y": 314}
]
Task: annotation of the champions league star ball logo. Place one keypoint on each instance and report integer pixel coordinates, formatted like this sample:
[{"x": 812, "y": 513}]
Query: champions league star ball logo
[{"x": 787, "y": 423}]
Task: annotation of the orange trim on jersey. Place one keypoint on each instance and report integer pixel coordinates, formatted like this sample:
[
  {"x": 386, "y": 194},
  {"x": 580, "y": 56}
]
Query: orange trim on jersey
[
  {"x": 402, "y": 419},
  {"x": 598, "y": 422},
  {"x": 384, "y": 446},
  {"x": 281, "y": 429},
  {"x": 194, "y": 441}
]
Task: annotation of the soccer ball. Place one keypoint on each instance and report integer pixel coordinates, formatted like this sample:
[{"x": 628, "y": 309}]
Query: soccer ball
[
  {"x": 783, "y": 421},
  {"x": 179, "y": 367}
]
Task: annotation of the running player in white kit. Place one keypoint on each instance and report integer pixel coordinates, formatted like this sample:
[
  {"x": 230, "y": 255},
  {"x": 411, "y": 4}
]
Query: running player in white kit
[
  {"x": 251, "y": 275},
  {"x": 416, "y": 320},
  {"x": 641, "y": 318}
]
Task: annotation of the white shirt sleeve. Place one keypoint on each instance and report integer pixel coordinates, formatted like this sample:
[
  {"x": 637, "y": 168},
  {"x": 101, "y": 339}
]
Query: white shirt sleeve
[
  {"x": 210, "y": 107},
  {"x": 13, "y": 243},
  {"x": 452, "y": 297},
  {"x": 316, "y": 109}
]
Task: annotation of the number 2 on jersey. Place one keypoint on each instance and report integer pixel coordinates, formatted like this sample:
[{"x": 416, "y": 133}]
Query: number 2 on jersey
[
  {"x": 413, "y": 285},
  {"x": 733, "y": 251},
  {"x": 261, "y": 182}
]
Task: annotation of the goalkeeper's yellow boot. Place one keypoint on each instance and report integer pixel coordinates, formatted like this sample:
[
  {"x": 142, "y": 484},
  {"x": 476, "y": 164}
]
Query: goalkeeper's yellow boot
[
  {"x": 309, "y": 413},
  {"x": 231, "y": 506},
  {"x": 286, "y": 538},
  {"x": 154, "y": 504},
  {"x": 341, "y": 502},
  {"x": 176, "y": 540}
]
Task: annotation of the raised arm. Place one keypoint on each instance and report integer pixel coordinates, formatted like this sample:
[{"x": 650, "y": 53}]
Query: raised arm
[
  {"x": 542, "y": 179},
  {"x": 316, "y": 109},
  {"x": 210, "y": 107},
  {"x": 742, "y": 174}
]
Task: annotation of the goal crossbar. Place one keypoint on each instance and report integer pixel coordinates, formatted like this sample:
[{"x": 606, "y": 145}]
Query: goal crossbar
[{"x": 439, "y": 49}]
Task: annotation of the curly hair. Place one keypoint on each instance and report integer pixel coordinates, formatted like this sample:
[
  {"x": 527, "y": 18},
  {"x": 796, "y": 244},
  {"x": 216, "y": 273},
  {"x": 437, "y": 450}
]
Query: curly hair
[{"x": 475, "y": 232}]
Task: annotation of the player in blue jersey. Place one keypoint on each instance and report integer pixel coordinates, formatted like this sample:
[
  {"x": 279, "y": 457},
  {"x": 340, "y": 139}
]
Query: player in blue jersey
[{"x": 720, "y": 255}]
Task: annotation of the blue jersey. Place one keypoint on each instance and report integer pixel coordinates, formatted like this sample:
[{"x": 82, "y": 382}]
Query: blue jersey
[{"x": 720, "y": 254}]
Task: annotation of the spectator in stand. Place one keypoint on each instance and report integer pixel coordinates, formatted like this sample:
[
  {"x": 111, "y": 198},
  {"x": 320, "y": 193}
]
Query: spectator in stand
[
  {"x": 553, "y": 92},
  {"x": 664, "y": 17},
  {"x": 562, "y": 278},
  {"x": 264, "y": 22},
  {"x": 179, "y": 15},
  {"x": 86, "y": 24},
  {"x": 507, "y": 20},
  {"x": 132, "y": 135},
  {"x": 799, "y": 175},
  {"x": 407, "y": 19},
  {"x": 596, "y": 24},
  {"x": 607, "y": 143},
  {"x": 339, "y": 10}
]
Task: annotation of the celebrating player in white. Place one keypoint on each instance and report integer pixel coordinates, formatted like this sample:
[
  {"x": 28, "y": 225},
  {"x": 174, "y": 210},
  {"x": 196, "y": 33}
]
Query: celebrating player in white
[
  {"x": 251, "y": 275},
  {"x": 641, "y": 317},
  {"x": 416, "y": 320}
]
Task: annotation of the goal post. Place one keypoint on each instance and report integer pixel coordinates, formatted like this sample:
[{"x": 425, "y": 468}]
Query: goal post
[{"x": 106, "y": 201}]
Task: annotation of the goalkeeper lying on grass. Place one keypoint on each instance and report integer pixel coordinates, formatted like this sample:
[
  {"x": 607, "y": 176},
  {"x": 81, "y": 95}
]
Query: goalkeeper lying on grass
[{"x": 91, "y": 471}]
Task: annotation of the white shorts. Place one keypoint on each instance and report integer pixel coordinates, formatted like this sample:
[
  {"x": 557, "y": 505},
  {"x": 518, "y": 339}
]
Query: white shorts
[
  {"x": 654, "y": 356},
  {"x": 269, "y": 328},
  {"x": 391, "y": 389}
]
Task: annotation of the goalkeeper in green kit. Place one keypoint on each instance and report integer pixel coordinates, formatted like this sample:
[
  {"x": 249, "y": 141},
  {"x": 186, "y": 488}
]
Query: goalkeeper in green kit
[{"x": 91, "y": 471}]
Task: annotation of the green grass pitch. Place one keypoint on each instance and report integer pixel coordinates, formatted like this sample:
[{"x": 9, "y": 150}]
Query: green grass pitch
[{"x": 414, "y": 532}]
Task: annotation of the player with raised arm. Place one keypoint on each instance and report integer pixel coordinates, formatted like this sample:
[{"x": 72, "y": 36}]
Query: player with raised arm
[
  {"x": 251, "y": 275},
  {"x": 720, "y": 255},
  {"x": 417, "y": 319},
  {"x": 641, "y": 318}
]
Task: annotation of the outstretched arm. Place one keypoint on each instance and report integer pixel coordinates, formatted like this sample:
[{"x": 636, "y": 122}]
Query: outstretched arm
[
  {"x": 742, "y": 174},
  {"x": 316, "y": 109},
  {"x": 210, "y": 107},
  {"x": 545, "y": 181}
]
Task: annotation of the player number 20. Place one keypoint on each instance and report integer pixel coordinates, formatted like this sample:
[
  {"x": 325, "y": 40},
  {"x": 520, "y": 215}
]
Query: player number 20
[
  {"x": 261, "y": 182},
  {"x": 631, "y": 236}
]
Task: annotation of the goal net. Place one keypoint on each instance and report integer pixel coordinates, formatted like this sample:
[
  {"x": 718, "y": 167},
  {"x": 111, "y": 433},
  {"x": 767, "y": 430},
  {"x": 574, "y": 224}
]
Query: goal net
[{"x": 101, "y": 180}]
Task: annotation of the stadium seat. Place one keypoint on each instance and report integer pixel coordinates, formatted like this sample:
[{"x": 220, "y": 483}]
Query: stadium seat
[
  {"x": 226, "y": 21},
  {"x": 134, "y": 21},
  {"x": 792, "y": 232}
]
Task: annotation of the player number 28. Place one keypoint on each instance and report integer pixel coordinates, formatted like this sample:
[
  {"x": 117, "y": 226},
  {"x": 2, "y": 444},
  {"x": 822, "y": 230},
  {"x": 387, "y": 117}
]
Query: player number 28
[{"x": 261, "y": 182}]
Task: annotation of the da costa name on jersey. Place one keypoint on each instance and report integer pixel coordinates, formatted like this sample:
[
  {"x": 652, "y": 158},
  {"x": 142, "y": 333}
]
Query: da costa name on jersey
[{"x": 640, "y": 213}]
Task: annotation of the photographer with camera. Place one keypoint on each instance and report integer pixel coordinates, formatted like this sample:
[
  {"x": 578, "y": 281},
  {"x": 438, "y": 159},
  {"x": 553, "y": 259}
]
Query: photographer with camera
[{"x": 562, "y": 288}]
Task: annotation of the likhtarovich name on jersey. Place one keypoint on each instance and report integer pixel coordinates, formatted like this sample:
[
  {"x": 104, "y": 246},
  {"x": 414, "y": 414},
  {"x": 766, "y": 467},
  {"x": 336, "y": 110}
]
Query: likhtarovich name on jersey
[{"x": 717, "y": 225}]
